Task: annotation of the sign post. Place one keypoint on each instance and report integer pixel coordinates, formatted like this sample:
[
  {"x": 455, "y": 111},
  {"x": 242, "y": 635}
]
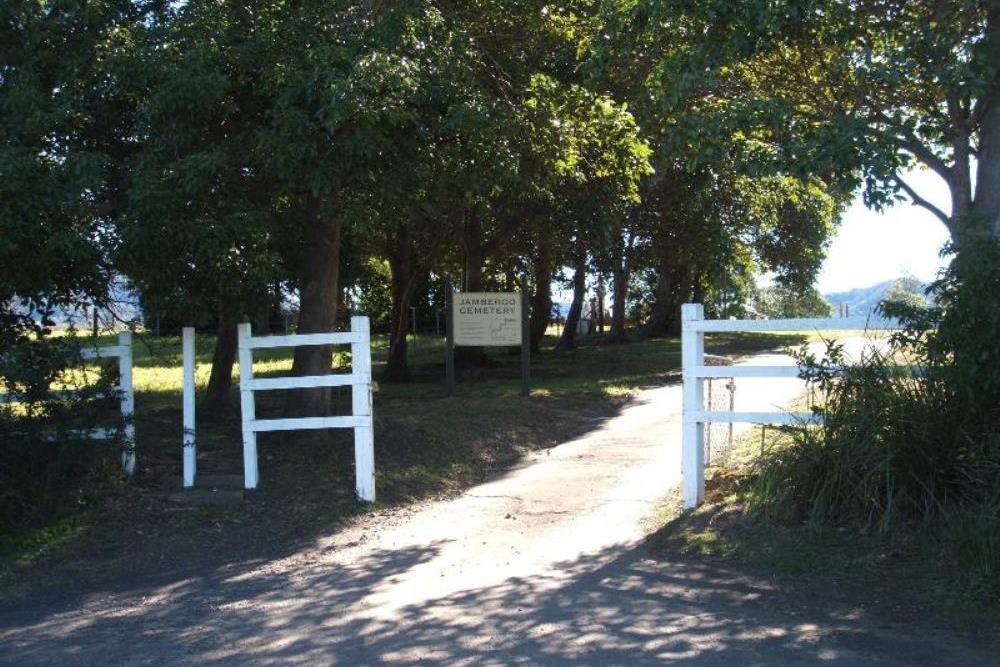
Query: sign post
[
  {"x": 525, "y": 345},
  {"x": 487, "y": 319},
  {"x": 449, "y": 360}
]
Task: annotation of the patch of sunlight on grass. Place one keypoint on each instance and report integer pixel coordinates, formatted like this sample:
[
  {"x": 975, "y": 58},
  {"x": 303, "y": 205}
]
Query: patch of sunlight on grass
[{"x": 618, "y": 390}]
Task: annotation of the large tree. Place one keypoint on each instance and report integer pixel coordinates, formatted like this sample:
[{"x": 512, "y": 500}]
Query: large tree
[
  {"x": 62, "y": 125},
  {"x": 856, "y": 92}
]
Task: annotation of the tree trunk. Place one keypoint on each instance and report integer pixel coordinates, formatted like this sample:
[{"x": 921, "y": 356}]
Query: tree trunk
[
  {"x": 400, "y": 253},
  {"x": 472, "y": 244},
  {"x": 220, "y": 382},
  {"x": 600, "y": 303},
  {"x": 262, "y": 314},
  {"x": 317, "y": 304},
  {"x": 541, "y": 300},
  {"x": 620, "y": 275},
  {"x": 656, "y": 325},
  {"x": 986, "y": 208},
  {"x": 568, "y": 338}
]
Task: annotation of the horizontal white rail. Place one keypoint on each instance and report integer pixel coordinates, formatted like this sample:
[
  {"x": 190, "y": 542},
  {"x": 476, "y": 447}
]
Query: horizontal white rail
[
  {"x": 746, "y": 371},
  {"x": 83, "y": 434},
  {"x": 359, "y": 379},
  {"x": 310, "y": 381},
  {"x": 786, "y": 418},
  {"x": 105, "y": 352},
  {"x": 694, "y": 326},
  {"x": 819, "y": 324},
  {"x": 306, "y": 423},
  {"x": 298, "y": 340}
]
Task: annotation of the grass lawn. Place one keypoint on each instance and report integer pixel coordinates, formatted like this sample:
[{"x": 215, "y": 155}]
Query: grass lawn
[
  {"x": 426, "y": 444},
  {"x": 900, "y": 580}
]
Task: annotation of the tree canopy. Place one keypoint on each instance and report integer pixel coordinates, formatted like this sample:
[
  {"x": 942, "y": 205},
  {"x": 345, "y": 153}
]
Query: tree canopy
[{"x": 226, "y": 158}]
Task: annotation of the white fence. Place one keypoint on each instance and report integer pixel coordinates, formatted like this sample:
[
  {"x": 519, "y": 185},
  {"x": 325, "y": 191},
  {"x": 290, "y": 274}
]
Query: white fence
[
  {"x": 126, "y": 393},
  {"x": 188, "y": 442},
  {"x": 359, "y": 380},
  {"x": 694, "y": 326}
]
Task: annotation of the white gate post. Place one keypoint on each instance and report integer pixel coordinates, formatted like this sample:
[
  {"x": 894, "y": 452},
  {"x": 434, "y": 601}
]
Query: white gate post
[
  {"x": 692, "y": 444},
  {"x": 188, "y": 438},
  {"x": 361, "y": 406},
  {"x": 127, "y": 401},
  {"x": 247, "y": 415}
]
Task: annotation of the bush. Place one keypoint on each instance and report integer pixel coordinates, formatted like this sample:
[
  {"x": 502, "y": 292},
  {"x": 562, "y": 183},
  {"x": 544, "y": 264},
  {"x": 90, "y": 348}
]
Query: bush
[
  {"x": 971, "y": 536},
  {"x": 900, "y": 450},
  {"x": 45, "y": 463}
]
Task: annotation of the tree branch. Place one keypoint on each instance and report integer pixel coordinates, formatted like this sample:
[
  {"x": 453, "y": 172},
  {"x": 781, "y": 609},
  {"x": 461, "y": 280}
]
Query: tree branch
[
  {"x": 920, "y": 201},
  {"x": 926, "y": 156}
]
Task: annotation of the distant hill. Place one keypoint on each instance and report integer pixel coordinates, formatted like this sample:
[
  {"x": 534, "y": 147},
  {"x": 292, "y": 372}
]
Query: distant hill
[{"x": 864, "y": 300}]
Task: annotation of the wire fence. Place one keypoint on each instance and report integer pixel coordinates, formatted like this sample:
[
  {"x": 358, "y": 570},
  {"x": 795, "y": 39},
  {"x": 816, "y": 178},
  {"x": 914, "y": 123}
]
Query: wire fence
[{"x": 720, "y": 394}]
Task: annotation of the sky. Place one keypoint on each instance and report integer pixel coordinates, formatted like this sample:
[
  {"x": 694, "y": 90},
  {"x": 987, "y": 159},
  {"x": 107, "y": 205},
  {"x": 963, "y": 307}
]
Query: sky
[{"x": 870, "y": 247}]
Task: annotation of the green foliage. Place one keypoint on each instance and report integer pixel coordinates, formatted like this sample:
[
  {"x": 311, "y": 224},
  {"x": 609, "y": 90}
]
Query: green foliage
[
  {"x": 372, "y": 294},
  {"x": 908, "y": 291},
  {"x": 57, "y": 179},
  {"x": 905, "y": 450},
  {"x": 964, "y": 343},
  {"x": 971, "y": 535},
  {"x": 50, "y": 399},
  {"x": 778, "y": 301}
]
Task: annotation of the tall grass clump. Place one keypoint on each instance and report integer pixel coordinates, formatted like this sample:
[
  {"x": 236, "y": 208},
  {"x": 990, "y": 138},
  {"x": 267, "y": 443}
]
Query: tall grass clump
[{"x": 903, "y": 450}]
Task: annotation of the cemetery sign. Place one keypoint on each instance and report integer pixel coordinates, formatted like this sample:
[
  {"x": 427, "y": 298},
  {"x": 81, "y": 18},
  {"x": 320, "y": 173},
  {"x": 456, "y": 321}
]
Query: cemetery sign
[{"x": 487, "y": 318}]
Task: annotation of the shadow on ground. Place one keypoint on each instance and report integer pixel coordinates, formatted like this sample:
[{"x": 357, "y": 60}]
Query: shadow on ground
[{"x": 615, "y": 607}]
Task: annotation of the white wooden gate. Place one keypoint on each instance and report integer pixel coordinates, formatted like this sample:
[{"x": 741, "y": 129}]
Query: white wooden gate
[
  {"x": 360, "y": 381},
  {"x": 694, "y": 326}
]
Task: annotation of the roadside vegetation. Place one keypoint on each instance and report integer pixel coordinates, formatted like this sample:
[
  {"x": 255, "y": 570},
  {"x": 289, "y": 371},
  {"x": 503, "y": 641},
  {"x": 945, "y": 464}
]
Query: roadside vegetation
[{"x": 897, "y": 493}]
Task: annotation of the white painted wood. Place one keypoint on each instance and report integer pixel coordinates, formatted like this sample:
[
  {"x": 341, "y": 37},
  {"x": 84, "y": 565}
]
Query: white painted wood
[
  {"x": 361, "y": 406},
  {"x": 84, "y": 434},
  {"x": 298, "y": 340},
  {"x": 306, "y": 423},
  {"x": 785, "y": 418},
  {"x": 247, "y": 412},
  {"x": 359, "y": 380},
  {"x": 693, "y": 327},
  {"x": 818, "y": 324},
  {"x": 188, "y": 441},
  {"x": 693, "y": 431},
  {"x": 746, "y": 371},
  {"x": 106, "y": 352},
  {"x": 127, "y": 401},
  {"x": 309, "y": 381},
  {"x": 59, "y": 394},
  {"x": 783, "y": 371}
]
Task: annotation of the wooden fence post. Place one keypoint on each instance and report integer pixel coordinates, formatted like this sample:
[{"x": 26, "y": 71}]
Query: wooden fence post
[
  {"x": 247, "y": 415},
  {"x": 127, "y": 401},
  {"x": 692, "y": 443},
  {"x": 188, "y": 436},
  {"x": 361, "y": 406},
  {"x": 449, "y": 334}
]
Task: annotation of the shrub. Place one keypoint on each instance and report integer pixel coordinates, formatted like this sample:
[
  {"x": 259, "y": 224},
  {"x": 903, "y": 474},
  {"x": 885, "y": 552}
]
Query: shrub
[
  {"x": 900, "y": 450},
  {"x": 49, "y": 400}
]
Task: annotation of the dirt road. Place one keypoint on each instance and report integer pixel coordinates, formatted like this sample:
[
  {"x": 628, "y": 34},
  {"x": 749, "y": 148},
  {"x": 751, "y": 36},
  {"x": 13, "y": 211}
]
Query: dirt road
[{"x": 542, "y": 566}]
